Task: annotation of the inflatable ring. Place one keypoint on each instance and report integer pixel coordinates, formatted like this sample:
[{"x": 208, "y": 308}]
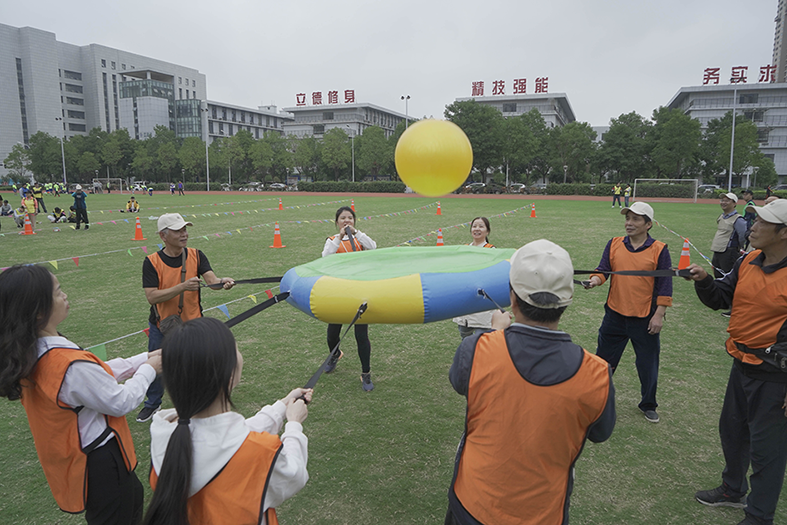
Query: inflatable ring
[{"x": 409, "y": 285}]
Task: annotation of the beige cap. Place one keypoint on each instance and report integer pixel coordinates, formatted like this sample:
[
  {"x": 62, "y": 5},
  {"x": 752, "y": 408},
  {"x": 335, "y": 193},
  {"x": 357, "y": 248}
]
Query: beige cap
[
  {"x": 542, "y": 266},
  {"x": 774, "y": 212},
  {"x": 639, "y": 208},
  {"x": 731, "y": 196},
  {"x": 78, "y": 187},
  {"x": 173, "y": 221}
]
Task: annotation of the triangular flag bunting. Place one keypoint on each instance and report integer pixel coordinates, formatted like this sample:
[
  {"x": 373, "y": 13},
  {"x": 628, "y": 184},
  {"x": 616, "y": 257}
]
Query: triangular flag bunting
[
  {"x": 53, "y": 263},
  {"x": 76, "y": 260},
  {"x": 269, "y": 294},
  {"x": 223, "y": 308},
  {"x": 99, "y": 351},
  {"x": 145, "y": 249},
  {"x": 147, "y": 331},
  {"x": 252, "y": 298},
  {"x": 129, "y": 252}
]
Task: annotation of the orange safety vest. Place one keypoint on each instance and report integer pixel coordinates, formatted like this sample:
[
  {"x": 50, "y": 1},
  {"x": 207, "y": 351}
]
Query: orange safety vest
[
  {"x": 487, "y": 245},
  {"x": 758, "y": 307},
  {"x": 632, "y": 296},
  {"x": 522, "y": 439},
  {"x": 169, "y": 277},
  {"x": 55, "y": 428},
  {"x": 346, "y": 247},
  {"x": 237, "y": 493}
]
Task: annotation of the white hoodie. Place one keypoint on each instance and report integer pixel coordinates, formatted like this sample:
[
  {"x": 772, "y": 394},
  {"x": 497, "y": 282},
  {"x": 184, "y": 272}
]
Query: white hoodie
[{"x": 217, "y": 438}]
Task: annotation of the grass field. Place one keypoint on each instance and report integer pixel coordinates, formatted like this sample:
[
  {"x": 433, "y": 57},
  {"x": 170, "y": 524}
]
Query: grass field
[{"x": 387, "y": 456}]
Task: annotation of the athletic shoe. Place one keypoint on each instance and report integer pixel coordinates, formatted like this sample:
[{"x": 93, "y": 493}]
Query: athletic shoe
[
  {"x": 727, "y": 314},
  {"x": 651, "y": 415},
  {"x": 87, "y": 226},
  {"x": 366, "y": 382},
  {"x": 718, "y": 497},
  {"x": 331, "y": 366},
  {"x": 146, "y": 413},
  {"x": 751, "y": 520}
]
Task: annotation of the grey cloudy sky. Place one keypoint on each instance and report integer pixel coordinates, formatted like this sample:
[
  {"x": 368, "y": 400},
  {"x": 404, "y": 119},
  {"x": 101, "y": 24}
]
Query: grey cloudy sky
[{"x": 609, "y": 56}]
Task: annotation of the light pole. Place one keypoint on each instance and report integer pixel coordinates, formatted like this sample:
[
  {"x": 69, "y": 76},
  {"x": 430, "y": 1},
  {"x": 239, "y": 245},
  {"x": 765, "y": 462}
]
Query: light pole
[
  {"x": 229, "y": 163},
  {"x": 352, "y": 145},
  {"x": 732, "y": 143},
  {"x": 63, "y": 152},
  {"x": 406, "y": 99},
  {"x": 207, "y": 139},
  {"x": 565, "y": 172}
]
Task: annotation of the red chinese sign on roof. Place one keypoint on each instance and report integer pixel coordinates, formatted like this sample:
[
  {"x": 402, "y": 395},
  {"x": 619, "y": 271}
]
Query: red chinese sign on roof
[
  {"x": 519, "y": 86},
  {"x": 332, "y": 97},
  {"x": 738, "y": 75}
]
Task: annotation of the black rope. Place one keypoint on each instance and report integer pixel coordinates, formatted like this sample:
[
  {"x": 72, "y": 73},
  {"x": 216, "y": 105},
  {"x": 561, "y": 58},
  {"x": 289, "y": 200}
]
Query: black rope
[
  {"x": 259, "y": 280},
  {"x": 672, "y": 272},
  {"x": 256, "y": 309}
]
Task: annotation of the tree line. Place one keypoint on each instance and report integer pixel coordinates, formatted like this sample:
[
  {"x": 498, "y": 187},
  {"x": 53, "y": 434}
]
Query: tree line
[{"x": 668, "y": 145}]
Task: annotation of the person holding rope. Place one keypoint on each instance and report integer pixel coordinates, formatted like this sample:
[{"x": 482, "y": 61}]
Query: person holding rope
[
  {"x": 635, "y": 306},
  {"x": 533, "y": 398},
  {"x": 350, "y": 240},
  {"x": 75, "y": 402},
  {"x": 210, "y": 464},
  {"x": 753, "y": 421},
  {"x": 481, "y": 321},
  {"x": 171, "y": 280}
]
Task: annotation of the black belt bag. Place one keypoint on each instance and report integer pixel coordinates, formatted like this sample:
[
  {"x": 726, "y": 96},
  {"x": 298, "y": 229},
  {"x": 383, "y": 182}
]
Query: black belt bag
[{"x": 775, "y": 355}]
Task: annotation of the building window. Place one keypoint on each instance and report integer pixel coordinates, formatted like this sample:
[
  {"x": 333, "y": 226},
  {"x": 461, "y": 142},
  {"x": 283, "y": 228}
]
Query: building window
[
  {"x": 223, "y": 114},
  {"x": 187, "y": 93},
  {"x": 180, "y": 92},
  {"x": 754, "y": 116},
  {"x": 318, "y": 129},
  {"x": 180, "y": 80},
  {"x": 193, "y": 83},
  {"x": 233, "y": 117},
  {"x": 123, "y": 66},
  {"x": 210, "y": 126},
  {"x": 113, "y": 65},
  {"x": 762, "y": 136},
  {"x": 71, "y": 88},
  {"x": 328, "y": 115},
  {"x": 76, "y": 127},
  {"x": 213, "y": 111},
  {"x": 75, "y": 101},
  {"x": 187, "y": 82},
  {"x": 751, "y": 98},
  {"x": 103, "y": 63},
  {"x": 72, "y": 75},
  {"x": 76, "y": 114}
]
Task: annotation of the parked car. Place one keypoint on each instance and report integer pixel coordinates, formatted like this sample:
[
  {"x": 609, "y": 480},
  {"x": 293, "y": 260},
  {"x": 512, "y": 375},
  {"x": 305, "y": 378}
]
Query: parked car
[
  {"x": 253, "y": 186},
  {"x": 277, "y": 186},
  {"x": 495, "y": 188},
  {"x": 517, "y": 187},
  {"x": 225, "y": 187},
  {"x": 474, "y": 187},
  {"x": 708, "y": 188},
  {"x": 780, "y": 187}
]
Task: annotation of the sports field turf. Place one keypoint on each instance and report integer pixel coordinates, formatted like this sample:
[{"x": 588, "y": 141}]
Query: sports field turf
[{"x": 387, "y": 456}]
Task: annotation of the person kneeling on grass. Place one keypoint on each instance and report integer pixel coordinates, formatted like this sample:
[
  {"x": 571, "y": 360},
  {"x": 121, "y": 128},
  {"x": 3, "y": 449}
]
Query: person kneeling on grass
[
  {"x": 57, "y": 215},
  {"x": 210, "y": 465}
]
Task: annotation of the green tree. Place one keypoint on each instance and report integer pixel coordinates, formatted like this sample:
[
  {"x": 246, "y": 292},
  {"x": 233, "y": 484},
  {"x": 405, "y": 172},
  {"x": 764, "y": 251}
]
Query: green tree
[
  {"x": 624, "y": 151},
  {"x": 261, "y": 156},
  {"x": 764, "y": 173},
  {"x": 282, "y": 156},
  {"x": 538, "y": 166},
  {"x": 166, "y": 160},
  {"x": 571, "y": 150},
  {"x": 46, "y": 162},
  {"x": 483, "y": 126},
  {"x": 306, "y": 154},
  {"x": 336, "y": 151},
  {"x": 675, "y": 142},
  {"x": 192, "y": 157},
  {"x": 88, "y": 164},
  {"x": 520, "y": 148},
  {"x": 18, "y": 163},
  {"x": 747, "y": 152},
  {"x": 143, "y": 163},
  {"x": 372, "y": 151}
]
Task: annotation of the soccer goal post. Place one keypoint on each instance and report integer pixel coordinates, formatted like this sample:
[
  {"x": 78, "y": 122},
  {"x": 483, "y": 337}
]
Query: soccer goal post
[
  {"x": 109, "y": 184},
  {"x": 677, "y": 188}
]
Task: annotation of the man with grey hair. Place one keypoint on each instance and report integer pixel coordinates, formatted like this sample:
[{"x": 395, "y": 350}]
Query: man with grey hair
[
  {"x": 171, "y": 280},
  {"x": 533, "y": 397}
]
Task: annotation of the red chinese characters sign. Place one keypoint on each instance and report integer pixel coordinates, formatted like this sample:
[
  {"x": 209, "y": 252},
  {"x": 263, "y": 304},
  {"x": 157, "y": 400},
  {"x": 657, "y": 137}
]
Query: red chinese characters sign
[
  {"x": 738, "y": 75},
  {"x": 519, "y": 86},
  {"x": 332, "y": 97}
]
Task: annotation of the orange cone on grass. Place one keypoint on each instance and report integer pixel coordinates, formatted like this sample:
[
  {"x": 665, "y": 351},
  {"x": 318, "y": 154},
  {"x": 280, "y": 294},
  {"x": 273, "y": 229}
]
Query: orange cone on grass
[
  {"x": 533, "y": 210},
  {"x": 281, "y": 207},
  {"x": 439, "y": 212},
  {"x": 685, "y": 259},
  {"x": 352, "y": 205},
  {"x": 28, "y": 226},
  {"x": 138, "y": 232},
  {"x": 277, "y": 238},
  {"x": 440, "y": 237}
]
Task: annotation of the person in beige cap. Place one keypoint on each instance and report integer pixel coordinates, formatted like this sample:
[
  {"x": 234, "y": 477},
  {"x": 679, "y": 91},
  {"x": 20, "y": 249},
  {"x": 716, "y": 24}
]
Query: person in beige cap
[
  {"x": 171, "y": 280},
  {"x": 635, "y": 306},
  {"x": 533, "y": 397},
  {"x": 730, "y": 235},
  {"x": 753, "y": 422}
]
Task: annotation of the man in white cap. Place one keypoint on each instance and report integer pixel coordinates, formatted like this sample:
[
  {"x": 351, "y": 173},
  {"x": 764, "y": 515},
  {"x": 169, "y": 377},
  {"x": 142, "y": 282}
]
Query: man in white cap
[
  {"x": 80, "y": 207},
  {"x": 635, "y": 305},
  {"x": 533, "y": 397},
  {"x": 171, "y": 280},
  {"x": 753, "y": 422}
]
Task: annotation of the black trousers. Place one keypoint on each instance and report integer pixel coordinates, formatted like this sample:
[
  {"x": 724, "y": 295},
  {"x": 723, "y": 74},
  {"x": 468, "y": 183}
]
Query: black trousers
[
  {"x": 81, "y": 214},
  {"x": 114, "y": 494},
  {"x": 753, "y": 430},
  {"x": 361, "y": 337},
  {"x": 724, "y": 260},
  {"x": 41, "y": 203}
]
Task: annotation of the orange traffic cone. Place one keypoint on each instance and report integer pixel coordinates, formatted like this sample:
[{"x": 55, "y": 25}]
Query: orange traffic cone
[
  {"x": 440, "y": 237},
  {"x": 280, "y": 205},
  {"x": 685, "y": 259},
  {"x": 277, "y": 238},
  {"x": 352, "y": 204},
  {"x": 533, "y": 210},
  {"x": 138, "y": 232},
  {"x": 28, "y": 226},
  {"x": 439, "y": 212}
]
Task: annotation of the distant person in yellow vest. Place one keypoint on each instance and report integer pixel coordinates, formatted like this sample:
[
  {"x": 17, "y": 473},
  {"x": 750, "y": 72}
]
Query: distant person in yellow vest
[
  {"x": 350, "y": 240},
  {"x": 635, "y": 305},
  {"x": 30, "y": 204},
  {"x": 132, "y": 206},
  {"x": 75, "y": 402},
  {"x": 210, "y": 464},
  {"x": 627, "y": 194},
  {"x": 533, "y": 397},
  {"x": 616, "y": 191},
  {"x": 171, "y": 293}
]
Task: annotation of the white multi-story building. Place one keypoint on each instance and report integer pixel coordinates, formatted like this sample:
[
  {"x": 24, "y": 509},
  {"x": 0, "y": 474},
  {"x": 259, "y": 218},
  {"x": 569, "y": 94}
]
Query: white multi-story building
[
  {"x": 554, "y": 107},
  {"x": 225, "y": 120},
  {"x": 353, "y": 118},
  {"x": 764, "y": 104}
]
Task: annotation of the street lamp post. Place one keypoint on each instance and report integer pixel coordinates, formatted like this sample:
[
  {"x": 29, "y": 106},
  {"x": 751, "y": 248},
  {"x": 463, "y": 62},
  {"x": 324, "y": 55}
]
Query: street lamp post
[
  {"x": 207, "y": 139},
  {"x": 63, "y": 153},
  {"x": 229, "y": 163},
  {"x": 406, "y": 99},
  {"x": 352, "y": 145},
  {"x": 565, "y": 172},
  {"x": 732, "y": 143}
]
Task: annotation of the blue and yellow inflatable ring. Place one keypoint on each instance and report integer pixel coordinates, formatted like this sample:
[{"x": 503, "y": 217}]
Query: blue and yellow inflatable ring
[{"x": 410, "y": 285}]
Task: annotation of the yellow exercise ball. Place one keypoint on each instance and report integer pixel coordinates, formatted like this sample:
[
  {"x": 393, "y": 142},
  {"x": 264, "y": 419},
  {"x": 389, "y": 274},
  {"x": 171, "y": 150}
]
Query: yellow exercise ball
[{"x": 433, "y": 157}]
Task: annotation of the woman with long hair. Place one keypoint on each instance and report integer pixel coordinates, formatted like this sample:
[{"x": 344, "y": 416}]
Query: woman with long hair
[
  {"x": 210, "y": 465},
  {"x": 350, "y": 240},
  {"x": 481, "y": 321},
  {"x": 75, "y": 406}
]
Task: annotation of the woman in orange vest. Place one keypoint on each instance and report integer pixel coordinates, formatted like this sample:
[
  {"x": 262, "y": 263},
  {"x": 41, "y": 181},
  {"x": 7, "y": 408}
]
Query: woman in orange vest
[
  {"x": 75, "y": 406},
  {"x": 350, "y": 240},
  {"x": 210, "y": 465},
  {"x": 481, "y": 321}
]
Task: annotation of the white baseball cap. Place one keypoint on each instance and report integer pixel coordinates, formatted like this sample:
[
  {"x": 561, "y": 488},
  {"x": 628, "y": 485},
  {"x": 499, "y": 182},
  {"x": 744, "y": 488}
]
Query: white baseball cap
[
  {"x": 731, "y": 196},
  {"x": 173, "y": 221},
  {"x": 640, "y": 208},
  {"x": 542, "y": 266},
  {"x": 79, "y": 187},
  {"x": 774, "y": 212}
]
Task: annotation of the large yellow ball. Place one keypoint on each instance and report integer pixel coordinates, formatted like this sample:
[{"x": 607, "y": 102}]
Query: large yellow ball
[{"x": 434, "y": 157}]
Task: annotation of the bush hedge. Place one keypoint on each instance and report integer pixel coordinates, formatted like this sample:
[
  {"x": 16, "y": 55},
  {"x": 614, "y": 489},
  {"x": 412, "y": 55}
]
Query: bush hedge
[{"x": 347, "y": 186}]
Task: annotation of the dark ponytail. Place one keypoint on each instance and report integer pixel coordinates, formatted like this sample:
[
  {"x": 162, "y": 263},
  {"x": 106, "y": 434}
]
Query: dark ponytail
[{"x": 198, "y": 361}]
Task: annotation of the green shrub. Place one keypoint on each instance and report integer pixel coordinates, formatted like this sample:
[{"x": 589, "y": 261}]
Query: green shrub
[{"x": 347, "y": 186}]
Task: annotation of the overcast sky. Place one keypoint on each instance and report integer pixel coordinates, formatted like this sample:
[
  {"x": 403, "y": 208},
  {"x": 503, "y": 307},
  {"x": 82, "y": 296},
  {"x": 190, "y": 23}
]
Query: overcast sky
[{"x": 610, "y": 57}]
